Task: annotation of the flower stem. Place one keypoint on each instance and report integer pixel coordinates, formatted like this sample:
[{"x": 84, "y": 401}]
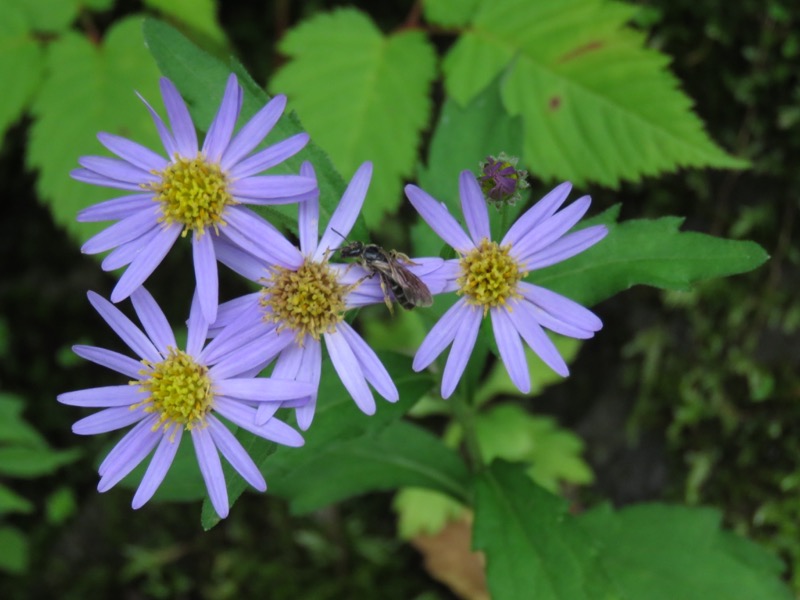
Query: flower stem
[{"x": 464, "y": 412}]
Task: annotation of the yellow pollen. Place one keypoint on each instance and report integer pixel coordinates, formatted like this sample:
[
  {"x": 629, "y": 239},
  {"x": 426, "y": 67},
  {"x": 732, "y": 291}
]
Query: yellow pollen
[
  {"x": 179, "y": 391},
  {"x": 309, "y": 300},
  {"x": 489, "y": 276},
  {"x": 192, "y": 192}
]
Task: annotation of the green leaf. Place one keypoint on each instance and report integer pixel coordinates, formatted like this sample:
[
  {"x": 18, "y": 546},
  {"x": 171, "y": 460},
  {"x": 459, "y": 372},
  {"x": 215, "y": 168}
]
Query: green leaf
[
  {"x": 533, "y": 548},
  {"x": 422, "y": 511},
  {"x": 13, "y": 427},
  {"x": 201, "y": 79},
  {"x": 337, "y": 422},
  {"x": 17, "y": 461},
  {"x": 663, "y": 552},
  {"x": 449, "y": 13},
  {"x": 199, "y": 15},
  {"x": 597, "y": 105},
  {"x": 21, "y": 67},
  {"x": 362, "y": 95},
  {"x": 402, "y": 454},
  {"x": 11, "y": 502},
  {"x": 647, "y": 252},
  {"x": 44, "y": 15},
  {"x": 89, "y": 88},
  {"x": 13, "y": 550}
]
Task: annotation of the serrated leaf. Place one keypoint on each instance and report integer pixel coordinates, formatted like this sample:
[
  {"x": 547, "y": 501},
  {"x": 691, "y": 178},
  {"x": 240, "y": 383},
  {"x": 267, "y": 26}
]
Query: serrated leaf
[
  {"x": 362, "y": 95},
  {"x": 663, "y": 552},
  {"x": 199, "y": 15},
  {"x": 596, "y": 104},
  {"x": 421, "y": 511},
  {"x": 337, "y": 422},
  {"x": 21, "y": 67},
  {"x": 13, "y": 550},
  {"x": 533, "y": 548},
  {"x": 449, "y": 13},
  {"x": 201, "y": 79},
  {"x": 89, "y": 88},
  {"x": 647, "y": 252}
]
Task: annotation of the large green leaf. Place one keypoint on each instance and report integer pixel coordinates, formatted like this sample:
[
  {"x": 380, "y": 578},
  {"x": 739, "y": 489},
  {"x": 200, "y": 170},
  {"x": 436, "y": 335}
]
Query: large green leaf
[
  {"x": 199, "y": 15},
  {"x": 201, "y": 78},
  {"x": 533, "y": 548},
  {"x": 449, "y": 13},
  {"x": 649, "y": 252},
  {"x": 362, "y": 95},
  {"x": 663, "y": 552},
  {"x": 14, "y": 550},
  {"x": 596, "y": 104},
  {"x": 21, "y": 66},
  {"x": 89, "y": 88}
]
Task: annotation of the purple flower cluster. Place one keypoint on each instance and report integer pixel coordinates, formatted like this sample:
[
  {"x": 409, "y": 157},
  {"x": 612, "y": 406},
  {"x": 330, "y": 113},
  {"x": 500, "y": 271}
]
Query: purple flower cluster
[{"x": 201, "y": 192}]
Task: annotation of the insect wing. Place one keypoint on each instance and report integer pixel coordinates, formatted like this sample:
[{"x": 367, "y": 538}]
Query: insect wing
[{"x": 414, "y": 290}]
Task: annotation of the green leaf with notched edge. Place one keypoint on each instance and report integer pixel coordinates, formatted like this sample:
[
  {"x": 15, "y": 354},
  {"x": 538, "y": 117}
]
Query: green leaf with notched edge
[
  {"x": 597, "y": 105},
  {"x": 449, "y": 13},
  {"x": 337, "y": 422},
  {"x": 362, "y": 95},
  {"x": 21, "y": 64},
  {"x": 533, "y": 547},
  {"x": 201, "y": 79},
  {"x": 646, "y": 252},
  {"x": 88, "y": 88},
  {"x": 199, "y": 15},
  {"x": 664, "y": 552}
]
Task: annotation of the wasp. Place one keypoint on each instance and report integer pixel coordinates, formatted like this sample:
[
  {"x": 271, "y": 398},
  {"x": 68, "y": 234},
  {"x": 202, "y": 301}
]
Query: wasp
[{"x": 408, "y": 289}]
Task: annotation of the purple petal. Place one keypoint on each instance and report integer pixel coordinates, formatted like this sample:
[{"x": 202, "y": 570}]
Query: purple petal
[
  {"x": 524, "y": 319},
  {"x": 116, "y": 169},
  {"x": 463, "y": 343},
  {"x": 128, "y": 444},
  {"x": 567, "y": 247},
  {"x": 135, "y": 452},
  {"x": 211, "y": 469},
  {"x": 349, "y": 370},
  {"x": 235, "y": 454},
  {"x": 126, "y": 230},
  {"x": 125, "y": 254},
  {"x": 124, "y": 328},
  {"x": 170, "y": 146},
  {"x": 550, "y": 230},
  {"x": 274, "y": 430},
  {"x": 104, "y": 397},
  {"x": 116, "y": 209},
  {"x": 269, "y": 157},
  {"x": 511, "y": 351},
  {"x": 439, "y": 219},
  {"x": 109, "y": 419},
  {"x": 239, "y": 261},
  {"x": 242, "y": 309},
  {"x": 205, "y": 273},
  {"x": 158, "y": 467},
  {"x": 253, "y": 133},
  {"x": 264, "y": 389},
  {"x": 560, "y": 307},
  {"x": 236, "y": 334},
  {"x": 272, "y": 186},
  {"x": 473, "y": 205},
  {"x": 311, "y": 370},
  {"x": 110, "y": 359},
  {"x": 251, "y": 233},
  {"x": 153, "y": 320},
  {"x": 373, "y": 369},
  {"x": 346, "y": 213},
  {"x": 538, "y": 213},
  {"x": 197, "y": 327},
  {"x": 87, "y": 176},
  {"x": 260, "y": 350},
  {"x": 265, "y": 411},
  {"x": 308, "y": 216},
  {"x": 134, "y": 153},
  {"x": 181, "y": 122},
  {"x": 440, "y": 335},
  {"x": 145, "y": 263},
  {"x": 221, "y": 129}
]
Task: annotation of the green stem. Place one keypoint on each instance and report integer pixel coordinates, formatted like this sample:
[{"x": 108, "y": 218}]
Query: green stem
[{"x": 465, "y": 415}]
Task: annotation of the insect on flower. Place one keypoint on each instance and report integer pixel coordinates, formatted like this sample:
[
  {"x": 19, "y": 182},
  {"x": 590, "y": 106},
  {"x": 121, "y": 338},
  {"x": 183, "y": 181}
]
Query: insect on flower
[{"x": 408, "y": 289}]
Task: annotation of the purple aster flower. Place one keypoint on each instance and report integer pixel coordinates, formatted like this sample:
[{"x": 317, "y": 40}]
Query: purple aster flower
[
  {"x": 303, "y": 303},
  {"x": 172, "y": 391},
  {"x": 193, "y": 189},
  {"x": 489, "y": 277}
]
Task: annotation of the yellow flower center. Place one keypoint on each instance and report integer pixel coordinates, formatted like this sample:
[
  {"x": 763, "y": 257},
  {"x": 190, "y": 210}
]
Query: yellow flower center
[
  {"x": 489, "y": 276},
  {"x": 179, "y": 391},
  {"x": 309, "y": 300},
  {"x": 192, "y": 192}
]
